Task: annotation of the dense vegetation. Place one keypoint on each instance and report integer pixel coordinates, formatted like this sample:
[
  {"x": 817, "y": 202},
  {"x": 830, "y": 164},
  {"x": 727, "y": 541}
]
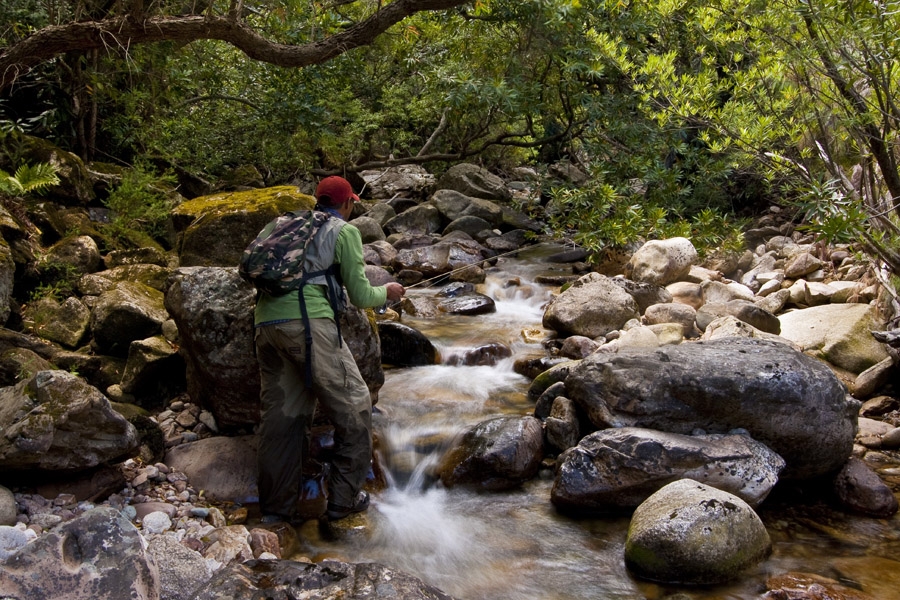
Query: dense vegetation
[{"x": 686, "y": 114}]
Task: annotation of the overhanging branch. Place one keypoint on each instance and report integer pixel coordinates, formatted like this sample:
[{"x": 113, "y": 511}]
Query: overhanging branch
[{"x": 126, "y": 31}]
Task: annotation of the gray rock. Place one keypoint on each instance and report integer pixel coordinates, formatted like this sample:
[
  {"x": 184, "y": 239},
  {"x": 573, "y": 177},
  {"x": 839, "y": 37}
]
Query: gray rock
[
  {"x": 438, "y": 259},
  {"x": 562, "y": 425},
  {"x": 386, "y": 252},
  {"x": 686, "y": 292},
  {"x": 78, "y": 253},
  {"x": 690, "y": 533},
  {"x": 469, "y": 304},
  {"x": 672, "y": 312},
  {"x": 484, "y": 355},
  {"x": 497, "y": 454},
  {"x": 411, "y": 181},
  {"x": 722, "y": 292},
  {"x": 369, "y": 229},
  {"x": 421, "y": 219},
  {"x": 592, "y": 306},
  {"x": 874, "y": 378},
  {"x": 837, "y": 333},
  {"x": 861, "y": 490},
  {"x": 17, "y": 364},
  {"x": 645, "y": 294},
  {"x": 94, "y": 284},
  {"x": 404, "y": 346},
  {"x": 65, "y": 323},
  {"x": 801, "y": 264},
  {"x": 381, "y": 213},
  {"x": 473, "y": 181},
  {"x": 11, "y": 539},
  {"x": 8, "y": 508},
  {"x": 128, "y": 312},
  {"x": 156, "y": 522},
  {"x": 578, "y": 346},
  {"x": 792, "y": 403},
  {"x": 469, "y": 224},
  {"x": 181, "y": 570},
  {"x": 662, "y": 261},
  {"x": 379, "y": 275},
  {"x": 616, "y": 469},
  {"x": 7, "y": 278},
  {"x": 329, "y": 579},
  {"x": 225, "y": 467},
  {"x": 55, "y": 421},
  {"x": 110, "y": 562},
  {"x": 213, "y": 308},
  {"x": 454, "y": 205},
  {"x": 154, "y": 371}
]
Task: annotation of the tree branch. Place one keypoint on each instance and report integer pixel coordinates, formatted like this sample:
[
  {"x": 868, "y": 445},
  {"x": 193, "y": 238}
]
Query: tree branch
[{"x": 124, "y": 32}]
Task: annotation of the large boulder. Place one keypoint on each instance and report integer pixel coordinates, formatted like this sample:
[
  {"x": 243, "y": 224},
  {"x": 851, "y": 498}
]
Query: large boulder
[
  {"x": 497, "y": 454},
  {"x": 130, "y": 311},
  {"x": 213, "y": 309},
  {"x": 617, "y": 469},
  {"x": 224, "y": 466},
  {"x": 592, "y": 306},
  {"x": 214, "y": 230},
  {"x": 454, "y": 205},
  {"x": 837, "y": 333},
  {"x": 152, "y": 275},
  {"x": 785, "y": 399},
  {"x": 65, "y": 323},
  {"x": 409, "y": 181},
  {"x": 473, "y": 181},
  {"x": 74, "y": 255},
  {"x": 438, "y": 259},
  {"x": 690, "y": 533},
  {"x": 99, "y": 555},
  {"x": 405, "y": 346},
  {"x": 54, "y": 421},
  {"x": 662, "y": 261},
  {"x": 418, "y": 220},
  {"x": 181, "y": 570}
]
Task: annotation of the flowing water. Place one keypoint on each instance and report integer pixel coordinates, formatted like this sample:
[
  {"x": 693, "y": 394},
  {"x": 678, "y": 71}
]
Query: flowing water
[{"x": 513, "y": 545}]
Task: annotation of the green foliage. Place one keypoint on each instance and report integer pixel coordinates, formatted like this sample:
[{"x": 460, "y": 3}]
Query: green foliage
[
  {"x": 141, "y": 202},
  {"x": 602, "y": 218},
  {"x": 29, "y": 178},
  {"x": 58, "y": 280}
]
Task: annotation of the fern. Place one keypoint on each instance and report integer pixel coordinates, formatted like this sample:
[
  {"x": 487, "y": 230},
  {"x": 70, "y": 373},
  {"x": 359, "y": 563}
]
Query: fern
[{"x": 29, "y": 178}]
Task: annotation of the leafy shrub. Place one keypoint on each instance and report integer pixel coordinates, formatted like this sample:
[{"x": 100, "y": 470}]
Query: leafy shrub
[
  {"x": 142, "y": 202},
  {"x": 599, "y": 217}
]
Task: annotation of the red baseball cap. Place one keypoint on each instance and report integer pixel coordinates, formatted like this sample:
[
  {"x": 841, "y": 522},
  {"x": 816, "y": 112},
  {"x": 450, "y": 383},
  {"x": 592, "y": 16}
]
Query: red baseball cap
[{"x": 337, "y": 189}]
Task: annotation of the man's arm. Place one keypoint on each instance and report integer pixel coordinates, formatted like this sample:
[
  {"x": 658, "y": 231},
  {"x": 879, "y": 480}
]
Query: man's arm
[{"x": 348, "y": 252}]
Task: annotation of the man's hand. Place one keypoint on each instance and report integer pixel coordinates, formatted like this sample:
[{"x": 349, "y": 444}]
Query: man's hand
[{"x": 395, "y": 291}]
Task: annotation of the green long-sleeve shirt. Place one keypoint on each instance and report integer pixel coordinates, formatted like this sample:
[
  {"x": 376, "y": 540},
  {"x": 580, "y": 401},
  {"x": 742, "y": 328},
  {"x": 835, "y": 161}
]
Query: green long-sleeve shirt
[{"x": 349, "y": 254}]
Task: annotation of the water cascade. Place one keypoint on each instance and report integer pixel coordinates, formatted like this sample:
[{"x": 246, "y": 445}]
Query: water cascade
[{"x": 513, "y": 544}]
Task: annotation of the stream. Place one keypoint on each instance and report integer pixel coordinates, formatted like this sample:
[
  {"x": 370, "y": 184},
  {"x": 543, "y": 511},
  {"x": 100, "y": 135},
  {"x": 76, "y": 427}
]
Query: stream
[{"x": 513, "y": 545}]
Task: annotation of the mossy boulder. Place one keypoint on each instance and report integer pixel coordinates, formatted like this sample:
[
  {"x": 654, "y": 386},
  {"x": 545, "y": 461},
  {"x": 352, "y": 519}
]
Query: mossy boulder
[
  {"x": 213, "y": 230},
  {"x": 837, "y": 333},
  {"x": 691, "y": 533}
]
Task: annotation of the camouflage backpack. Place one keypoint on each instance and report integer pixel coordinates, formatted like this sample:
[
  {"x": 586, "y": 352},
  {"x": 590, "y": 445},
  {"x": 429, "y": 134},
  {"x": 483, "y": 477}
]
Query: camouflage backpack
[{"x": 273, "y": 262}]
